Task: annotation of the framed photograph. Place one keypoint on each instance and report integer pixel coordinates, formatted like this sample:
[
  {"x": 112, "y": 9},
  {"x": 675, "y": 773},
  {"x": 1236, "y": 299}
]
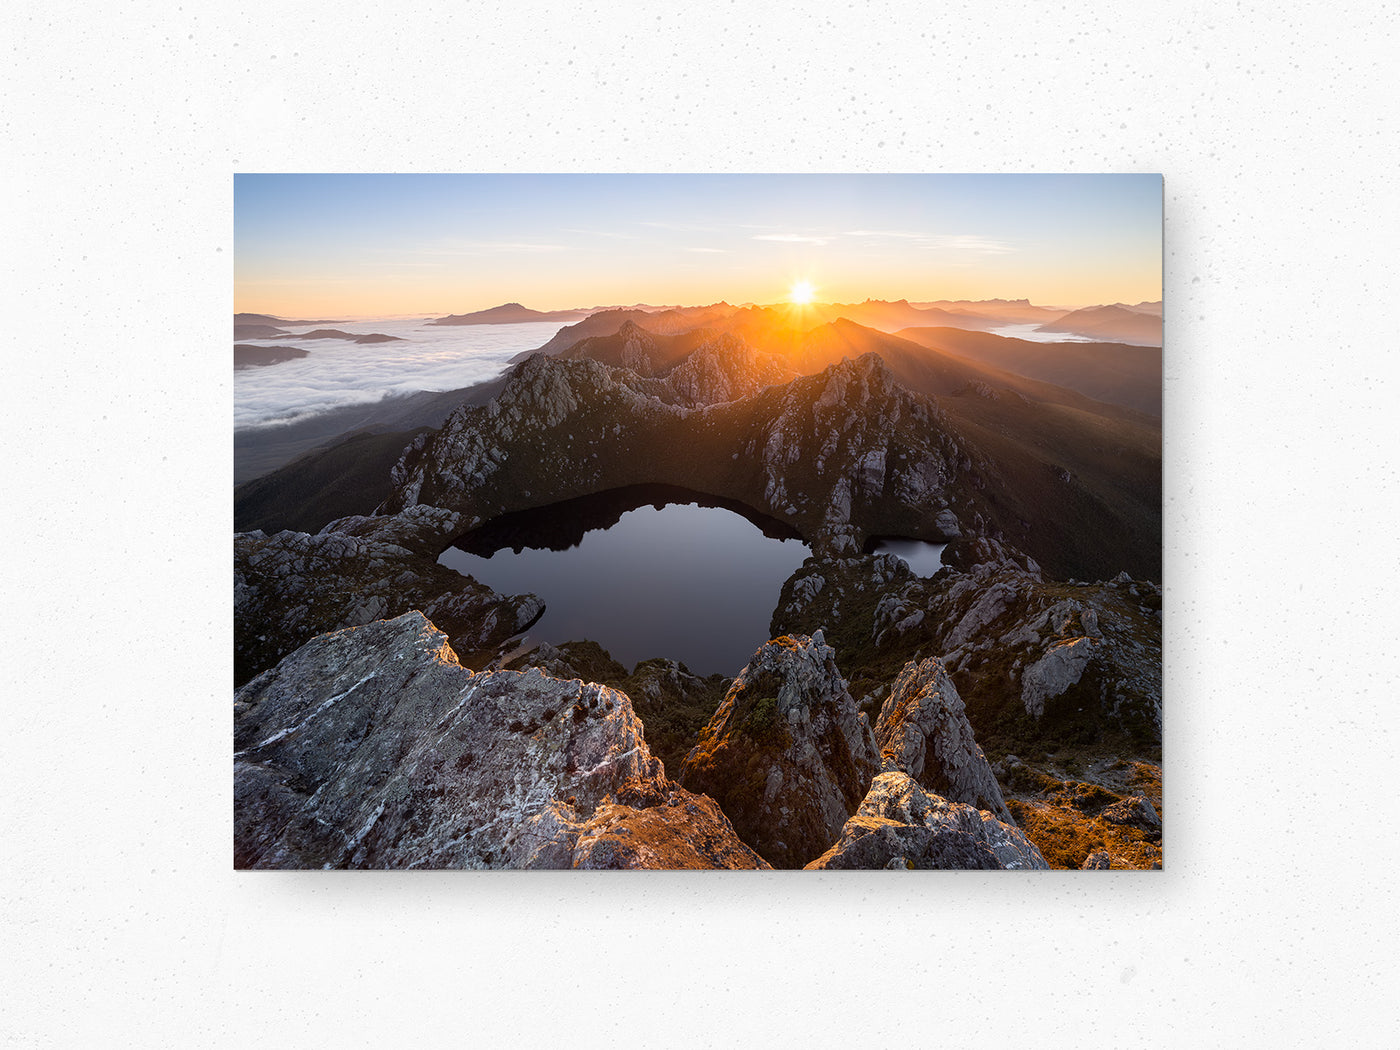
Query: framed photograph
[{"x": 698, "y": 521}]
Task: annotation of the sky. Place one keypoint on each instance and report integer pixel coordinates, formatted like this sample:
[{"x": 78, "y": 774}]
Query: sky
[{"x": 330, "y": 246}]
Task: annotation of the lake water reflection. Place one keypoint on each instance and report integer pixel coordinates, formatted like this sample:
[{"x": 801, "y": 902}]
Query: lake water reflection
[{"x": 647, "y": 571}]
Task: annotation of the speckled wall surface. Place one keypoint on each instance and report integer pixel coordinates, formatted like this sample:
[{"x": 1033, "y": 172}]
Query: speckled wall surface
[{"x": 1274, "y": 921}]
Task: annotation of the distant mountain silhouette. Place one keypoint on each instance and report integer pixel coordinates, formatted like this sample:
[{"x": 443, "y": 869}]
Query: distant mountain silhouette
[
  {"x": 1111, "y": 323},
  {"x": 511, "y": 313},
  {"x": 247, "y": 356},
  {"x": 335, "y": 333},
  {"x": 268, "y": 319}
]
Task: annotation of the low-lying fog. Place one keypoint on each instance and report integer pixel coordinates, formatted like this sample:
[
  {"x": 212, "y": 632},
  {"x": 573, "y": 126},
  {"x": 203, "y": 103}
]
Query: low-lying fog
[
  {"x": 1030, "y": 333},
  {"x": 338, "y": 372}
]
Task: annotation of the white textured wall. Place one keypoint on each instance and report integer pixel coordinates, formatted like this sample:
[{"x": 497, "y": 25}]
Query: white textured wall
[{"x": 1276, "y": 920}]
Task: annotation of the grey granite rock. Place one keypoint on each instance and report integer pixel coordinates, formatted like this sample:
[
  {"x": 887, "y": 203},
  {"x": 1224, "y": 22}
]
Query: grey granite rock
[
  {"x": 291, "y": 586},
  {"x": 899, "y": 824},
  {"x": 923, "y": 731},
  {"x": 373, "y": 747},
  {"x": 787, "y": 754}
]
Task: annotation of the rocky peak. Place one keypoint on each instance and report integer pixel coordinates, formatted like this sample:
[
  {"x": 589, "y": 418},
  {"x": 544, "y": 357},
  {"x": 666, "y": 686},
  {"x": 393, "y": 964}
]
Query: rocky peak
[
  {"x": 787, "y": 754},
  {"x": 923, "y": 731},
  {"x": 726, "y": 368}
]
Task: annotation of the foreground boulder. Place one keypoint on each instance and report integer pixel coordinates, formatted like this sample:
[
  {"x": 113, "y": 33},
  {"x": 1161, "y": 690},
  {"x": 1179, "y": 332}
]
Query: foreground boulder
[
  {"x": 372, "y": 747},
  {"x": 923, "y": 731},
  {"x": 787, "y": 754},
  {"x": 899, "y": 825}
]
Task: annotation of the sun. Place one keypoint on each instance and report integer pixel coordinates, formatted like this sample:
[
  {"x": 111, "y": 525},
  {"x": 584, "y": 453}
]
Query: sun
[{"x": 801, "y": 293}]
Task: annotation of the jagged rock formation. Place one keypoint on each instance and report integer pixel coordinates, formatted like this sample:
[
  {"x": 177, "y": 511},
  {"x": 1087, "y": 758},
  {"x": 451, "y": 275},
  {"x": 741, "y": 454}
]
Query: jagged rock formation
[
  {"x": 899, "y": 825},
  {"x": 291, "y": 586},
  {"x": 697, "y": 368},
  {"x": 673, "y": 702},
  {"x": 838, "y": 456},
  {"x": 372, "y": 747},
  {"x": 923, "y": 731},
  {"x": 1089, "y": 652},
  {"x": 787, "y": 755}
]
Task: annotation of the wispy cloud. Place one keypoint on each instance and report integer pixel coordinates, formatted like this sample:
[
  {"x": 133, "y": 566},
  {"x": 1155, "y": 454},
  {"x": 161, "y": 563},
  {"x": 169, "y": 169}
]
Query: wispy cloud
[
  {"x": 948, "y": 242},
  {"x": 971, "y": 242},
  {"x": 791, "y": 238},
  {"x": 682, "y": 227},
  {"x": 611, "y": 234},
  {"x": 903, "y": 234},
  {"x": 457, "y": 248},
  {"x": 716, "y": 251}
]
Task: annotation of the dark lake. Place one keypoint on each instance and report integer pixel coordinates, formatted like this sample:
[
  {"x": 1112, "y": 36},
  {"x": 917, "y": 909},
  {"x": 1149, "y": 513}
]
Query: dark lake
[{"x": 644, "y": 571}]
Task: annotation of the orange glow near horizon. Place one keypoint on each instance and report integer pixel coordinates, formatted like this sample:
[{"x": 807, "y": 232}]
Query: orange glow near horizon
[{"x": 340, "y": 246}]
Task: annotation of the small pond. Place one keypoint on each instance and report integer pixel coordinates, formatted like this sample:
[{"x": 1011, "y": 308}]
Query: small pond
[{"x": 924, "y": 559}]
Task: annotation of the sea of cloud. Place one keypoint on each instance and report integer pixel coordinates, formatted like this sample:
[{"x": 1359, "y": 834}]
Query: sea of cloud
[
  {"x": 338, "y": 373},
  {"x": 1032, "y": 333}
]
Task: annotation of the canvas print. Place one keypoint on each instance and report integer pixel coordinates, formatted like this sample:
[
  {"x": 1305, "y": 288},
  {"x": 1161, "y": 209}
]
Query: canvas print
[{"x": 698, "y": 521}]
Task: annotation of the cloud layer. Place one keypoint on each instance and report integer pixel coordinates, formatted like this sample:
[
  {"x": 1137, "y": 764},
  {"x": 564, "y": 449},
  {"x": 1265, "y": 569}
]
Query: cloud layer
[{"x": 338, "y": 373}]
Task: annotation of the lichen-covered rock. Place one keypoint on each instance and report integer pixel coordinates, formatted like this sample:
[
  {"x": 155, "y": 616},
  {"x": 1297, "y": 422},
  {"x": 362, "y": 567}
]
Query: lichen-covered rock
[
  {"x": 787, "y": 754},
  {"x": 372, "y": 747},
  {"x": 899, "y": 824},
  {"x": 291, "y": 586},
  {"x": 684, "y": 830},
  {"x": 1135, "y": 811},
  {"x": 923, "y": 731}
]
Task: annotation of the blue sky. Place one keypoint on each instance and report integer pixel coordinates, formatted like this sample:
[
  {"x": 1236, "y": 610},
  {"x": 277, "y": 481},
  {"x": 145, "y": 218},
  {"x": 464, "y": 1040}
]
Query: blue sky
[{"x": 383, "y": 244}]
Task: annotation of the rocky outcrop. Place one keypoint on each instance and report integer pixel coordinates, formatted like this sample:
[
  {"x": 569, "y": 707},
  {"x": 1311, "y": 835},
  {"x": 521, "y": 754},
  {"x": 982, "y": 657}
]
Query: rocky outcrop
[
  {"x": 372, "y": 747},
  {"x": 901, "y": 826},
  {"x": 1017, "y": 644},
  {"x": 1061, "y": 666},
  {"x": 923, "y": 731},
  {"x": 673, "y": 702},
  {"x": 787, "y": 755},
  {"x": 726, "y": 369},
  {"x": 291, "y": 586},
  {"x": 1135, "y": 812}
]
